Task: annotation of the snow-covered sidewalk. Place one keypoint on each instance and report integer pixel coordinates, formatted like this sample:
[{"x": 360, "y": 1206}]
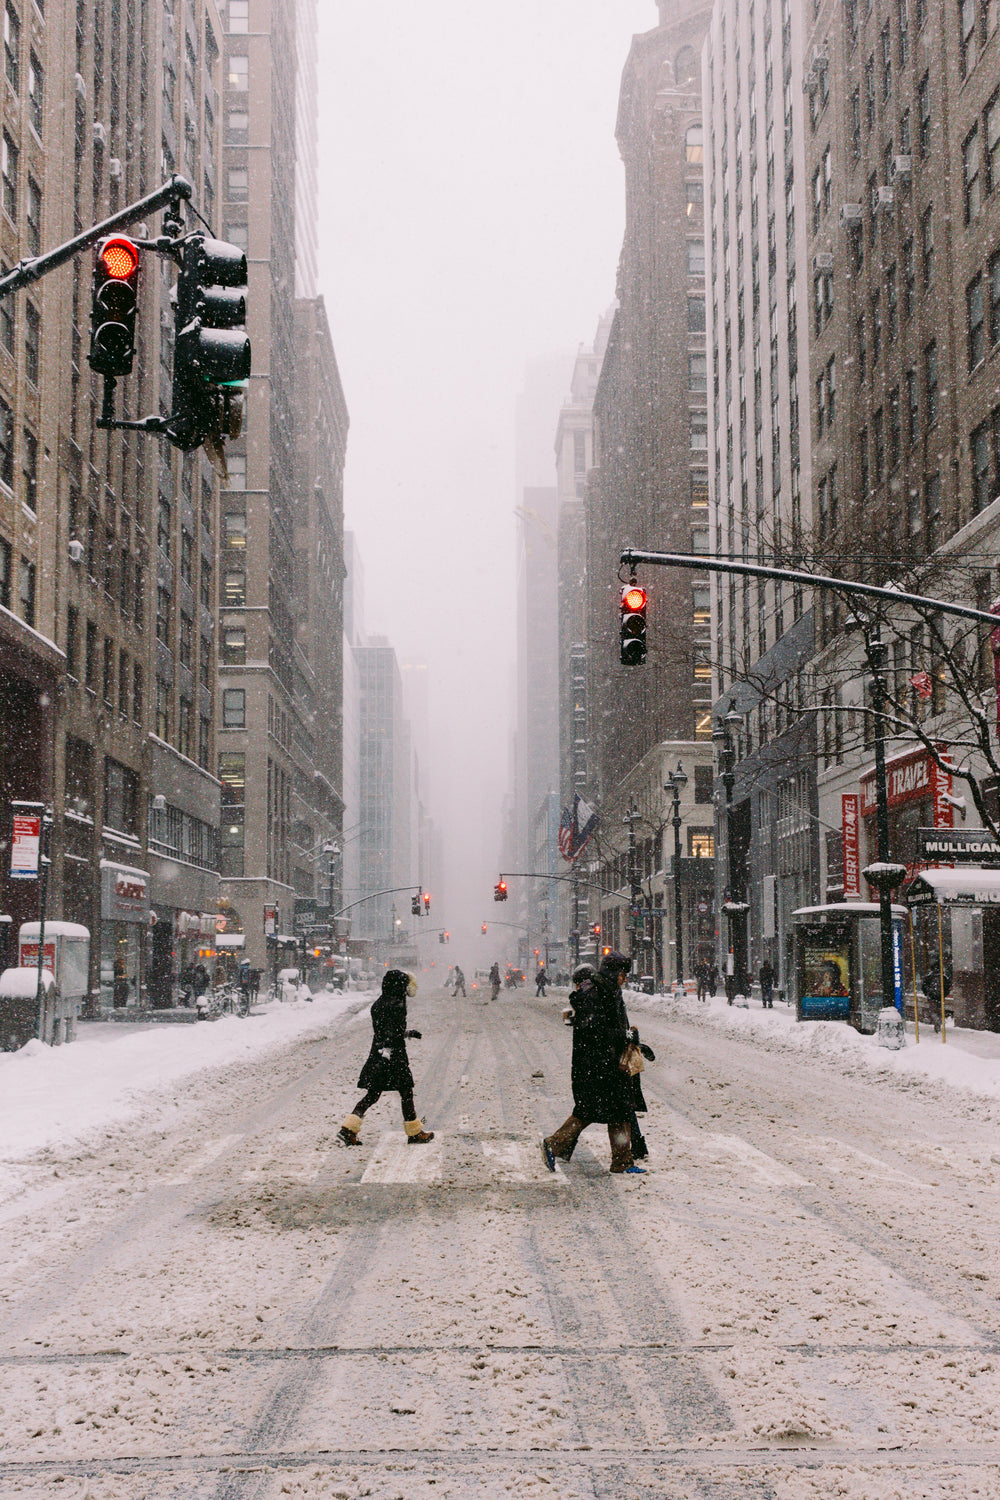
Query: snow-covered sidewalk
[
  {"x": 52, "y": 1095},
  {"x": 968, "y": 1060}
]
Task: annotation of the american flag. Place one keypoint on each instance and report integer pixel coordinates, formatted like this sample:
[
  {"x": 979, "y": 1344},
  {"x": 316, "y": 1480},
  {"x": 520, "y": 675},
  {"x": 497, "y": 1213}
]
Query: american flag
[
  {"x": 923, "y": 684},
  {"x": 576, "y": 828}
]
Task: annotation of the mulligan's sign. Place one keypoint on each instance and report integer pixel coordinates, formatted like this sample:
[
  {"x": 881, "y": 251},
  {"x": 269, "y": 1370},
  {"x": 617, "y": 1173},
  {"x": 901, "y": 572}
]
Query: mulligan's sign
[{"x": 960, "y": 846}]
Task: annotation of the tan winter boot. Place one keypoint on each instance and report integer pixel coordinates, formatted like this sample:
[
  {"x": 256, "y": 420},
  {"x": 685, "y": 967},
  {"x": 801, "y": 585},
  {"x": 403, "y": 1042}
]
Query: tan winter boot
[
  {"x": 416, "y": 1135},
  {"x": 348, "y": 1132}
]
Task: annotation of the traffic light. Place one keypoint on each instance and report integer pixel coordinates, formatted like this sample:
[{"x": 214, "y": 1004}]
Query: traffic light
[
  {"x": 415, "y": 906},
  {"x": 500, "y": 891},
  {"x": 441, "y": 937},
  {"x": 447, "y": 937},
  {"x": 595, "y": 929},
  {"x": 427, "y": 904},
  {"x": 633, "y": 625},
  {"x": 211, "y": 348},
  {"x": 113, "y": 306},
  {"x": 484, "y": 929}
]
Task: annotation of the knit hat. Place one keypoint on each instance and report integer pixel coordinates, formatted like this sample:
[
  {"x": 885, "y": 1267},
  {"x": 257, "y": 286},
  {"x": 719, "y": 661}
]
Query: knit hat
[
  {"x": 584, "y": 971},
  {"x": 615, "y": 964},
  {"x": 396, "y": 984}
]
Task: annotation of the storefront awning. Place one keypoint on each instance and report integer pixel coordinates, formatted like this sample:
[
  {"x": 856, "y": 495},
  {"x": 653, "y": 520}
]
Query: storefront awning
[
  {"x": 231, "y": 940},
  {"x": 972, "y": 886}
]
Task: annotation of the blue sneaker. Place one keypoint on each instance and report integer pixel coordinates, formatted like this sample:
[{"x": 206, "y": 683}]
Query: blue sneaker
[
  {"x": 550, "y": 1160},
  {"x": 633, "y": 1169}
]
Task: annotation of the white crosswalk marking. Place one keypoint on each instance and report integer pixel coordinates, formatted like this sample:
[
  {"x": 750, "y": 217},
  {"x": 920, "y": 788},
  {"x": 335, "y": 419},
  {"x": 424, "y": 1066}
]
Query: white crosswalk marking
[{"x": 395, "y": 1160}]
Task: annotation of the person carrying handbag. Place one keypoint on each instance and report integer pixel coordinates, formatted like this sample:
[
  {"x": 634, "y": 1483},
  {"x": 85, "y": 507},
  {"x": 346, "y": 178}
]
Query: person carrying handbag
[
  {"x": 602, "y": 1090},
  {"x": 387, "y": 1067}
]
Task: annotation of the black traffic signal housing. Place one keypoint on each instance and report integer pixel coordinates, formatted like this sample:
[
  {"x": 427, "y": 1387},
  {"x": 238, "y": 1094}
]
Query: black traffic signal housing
[
  {"x": 595, "y": 929},
  {"x": 427, "y": 904},
  {"x": 447, "y": 936},
  {"x": 415, "y": 906},
  {"x": 633, "y": 625},
  {"x": 500, "y": 891},
  {"x": 211, "y": 347},
  {"x": 484, "y": 929},
  {"x": 113, "y": 307}
]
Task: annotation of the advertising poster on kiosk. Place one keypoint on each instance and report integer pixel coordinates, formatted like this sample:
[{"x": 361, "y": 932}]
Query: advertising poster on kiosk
[{"x": 824, "y": 965}]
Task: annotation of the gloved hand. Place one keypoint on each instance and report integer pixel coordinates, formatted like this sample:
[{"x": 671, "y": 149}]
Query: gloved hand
[
  {"x": 414, "y": 1035},
  {"x": 647, "y": 1052},
  {"x": 632, "y": 1035}
]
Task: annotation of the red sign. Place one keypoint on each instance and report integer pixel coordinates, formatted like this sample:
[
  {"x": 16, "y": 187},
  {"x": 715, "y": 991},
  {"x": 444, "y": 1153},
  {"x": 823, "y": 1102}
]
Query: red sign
[
  {"x": 852, "y": 862},
  {"x": 28, "y": 957},
  {"x": 908, "y": 778}
]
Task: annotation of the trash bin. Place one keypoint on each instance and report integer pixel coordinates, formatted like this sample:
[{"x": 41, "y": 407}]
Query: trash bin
[
  {"x": 890, "y": 1031},
  {"x": 647, "y": 985}
]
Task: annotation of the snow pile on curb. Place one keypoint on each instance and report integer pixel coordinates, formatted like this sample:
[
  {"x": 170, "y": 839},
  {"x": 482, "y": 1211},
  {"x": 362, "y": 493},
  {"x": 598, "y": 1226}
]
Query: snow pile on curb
[
  {"x": 52, "y": 1095},
  {"x": 951, "y": 1064}
]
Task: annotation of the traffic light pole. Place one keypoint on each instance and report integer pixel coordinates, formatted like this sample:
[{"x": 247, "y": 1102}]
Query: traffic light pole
[{"x": 170, "y": 195}]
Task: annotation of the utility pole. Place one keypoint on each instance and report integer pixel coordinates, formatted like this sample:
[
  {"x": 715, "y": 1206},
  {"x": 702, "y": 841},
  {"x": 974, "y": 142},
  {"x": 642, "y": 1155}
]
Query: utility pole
[
  {"x": 886, "y": 877},
  {"x": 635, "y": 889}
]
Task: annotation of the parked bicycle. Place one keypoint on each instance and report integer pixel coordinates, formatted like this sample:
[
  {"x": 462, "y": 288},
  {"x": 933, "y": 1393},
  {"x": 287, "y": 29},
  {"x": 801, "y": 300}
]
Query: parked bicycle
[{"x": 231, "y": 999}]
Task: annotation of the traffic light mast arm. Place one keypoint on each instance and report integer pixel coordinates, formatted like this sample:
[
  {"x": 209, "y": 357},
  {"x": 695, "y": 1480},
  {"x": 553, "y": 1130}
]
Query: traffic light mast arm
[
  {"x": 395, "y": 890},
  {"x": 541, "y": 875},
  {"x": 703, "y": 564},
  {"x": 171, "y": 195}
]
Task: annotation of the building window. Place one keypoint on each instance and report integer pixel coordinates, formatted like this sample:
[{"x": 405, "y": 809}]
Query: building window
[
  {"x": 234, "y": 646},
  {"x": 163, "y": 526},
  {"x": 909, "y": 278},
  {"x": 976, "y": 320},
  {"x": 162, "y": 709},
  {"x": 982, "y": 479},
  {"x": 694, "y": 200},
  {"x": 698, "y": 374},
  {"x": 12, "y": 47},
  {"x": 32, "y": 341},
  {"x": 121, "y": 797},
  {"x": 237, "y": 126},
  {"x": 187, "y": 557},
  {"x": 27, "y": 591},
  {"x": 185, "y": 641},
  {"x": 109, "y": 671},
  {"x": 912, "y": 408},
  {"x": 968, "y": 34},
  {"x": 696, "y": 314},
  {"x": 185, "y": 736},
  {"x": 36, "y": 94},
  {"x": 33, "y": 218},
  {"x": 234, "y": 525},
  {"x": 233, "y": 708},
  {"x": 993, "y": 271},
  {"x": 971, "y": 180},
  {"x": 927, "y": 244},
  {"x": 698, "y": 429},
  {"x": 932, "y": 510},
  {"x": 234, "y": 588},
  {"x": 238, "y": 73},
  {"x": 8, "y": 176},
  {"x": 924, "y": 115},
  {"x": 876, "y": 320},
  {"x": 931, "y": 382},
  {"x": 239, "y": 17},
  {"x": 236, "y": 463},
  {"x": 6, "y": 444},
  {"x": 123, "y": 683},
  {"x": 72, "y": 627},
  {"x": 237, "y": 184},
  {"x": 701, "y": 598},
  {"x": 90, "y": 663},
  {"x": 696, "y": 257},
  {"x": 8, "y": 319},
  {"x": 29, "y": 469},
  {"x": 163, "y": 615},
  {"x": 137, "y": 692}
]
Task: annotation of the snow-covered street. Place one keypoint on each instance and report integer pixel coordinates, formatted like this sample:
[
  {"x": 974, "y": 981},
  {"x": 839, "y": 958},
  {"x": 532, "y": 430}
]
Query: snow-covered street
[{"x": 204, "y": 1295}]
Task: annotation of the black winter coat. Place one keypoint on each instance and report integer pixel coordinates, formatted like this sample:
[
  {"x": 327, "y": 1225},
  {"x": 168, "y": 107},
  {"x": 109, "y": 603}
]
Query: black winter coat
[
  {"x": 601, "y": 1091},
  {"x": 387, "y": 1066}
]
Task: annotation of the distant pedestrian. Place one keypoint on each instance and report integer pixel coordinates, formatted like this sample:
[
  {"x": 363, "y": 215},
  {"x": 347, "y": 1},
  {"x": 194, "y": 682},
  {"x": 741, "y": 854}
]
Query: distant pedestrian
[
  {"x": 730, "y": 987},
  {"x": 767, "y": 985},
  {"x": 713, "y": 980},
  {"x": 495, "y": 981},
  {"x": 254, "y": 984},
  {"x": 602, "y": 1092},
  {"x": 701, "y": 974},
  {"x": 460, "y": 983},
  {"x": 387, "y": 1066},
  {"x": 541, "y": 980}
]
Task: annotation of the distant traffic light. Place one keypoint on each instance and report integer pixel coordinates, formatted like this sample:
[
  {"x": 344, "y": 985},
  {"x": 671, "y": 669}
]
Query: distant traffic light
[
  {"x": 484, "y": 929},
  {"x": 595, "y": 929},
  {"x": 415, "y": 906},
  {"x": 633, "y": 625},
  {"x": 211, "y": 348},
  {"x": 440, "y": 937},
  {"x": 114, "y": 305},
  {"x": 427, "y": 904},
  {"x": 500, "y": 891}
]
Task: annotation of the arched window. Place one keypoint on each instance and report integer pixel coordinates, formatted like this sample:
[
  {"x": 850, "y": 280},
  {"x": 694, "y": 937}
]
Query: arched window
[
  {"x": 685, "y": 66},
  {"x": 693, "y": 145}
]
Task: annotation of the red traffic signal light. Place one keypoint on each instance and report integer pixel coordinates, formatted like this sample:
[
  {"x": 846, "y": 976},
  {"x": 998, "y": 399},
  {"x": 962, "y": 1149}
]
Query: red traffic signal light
[
  {"x": 484, "y": 929},
  {"x": 427, "y": 902},
  {"x": 114, "y": 304},
  {"x": 633, "y": 625},
  {"x": 500, "y": 891}
]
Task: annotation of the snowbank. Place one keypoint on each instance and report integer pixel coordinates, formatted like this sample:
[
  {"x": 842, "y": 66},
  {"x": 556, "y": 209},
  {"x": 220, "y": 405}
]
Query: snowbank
[
  {"x": 52, "y": 1095},
  {"x": 967, "y": 1060}
]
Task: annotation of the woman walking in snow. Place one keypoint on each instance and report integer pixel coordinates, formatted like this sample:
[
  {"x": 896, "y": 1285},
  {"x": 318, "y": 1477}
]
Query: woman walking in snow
[{"x": 387, "y": 1066}]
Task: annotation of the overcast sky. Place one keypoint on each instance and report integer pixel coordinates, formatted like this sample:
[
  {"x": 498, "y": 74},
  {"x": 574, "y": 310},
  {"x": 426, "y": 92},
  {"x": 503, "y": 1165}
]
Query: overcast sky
[{"x": 471, "y": 219}]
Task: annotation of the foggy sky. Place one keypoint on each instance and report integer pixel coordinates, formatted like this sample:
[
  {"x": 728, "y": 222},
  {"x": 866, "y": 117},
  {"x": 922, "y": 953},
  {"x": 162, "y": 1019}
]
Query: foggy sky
[{"x": 472, "y": 204}]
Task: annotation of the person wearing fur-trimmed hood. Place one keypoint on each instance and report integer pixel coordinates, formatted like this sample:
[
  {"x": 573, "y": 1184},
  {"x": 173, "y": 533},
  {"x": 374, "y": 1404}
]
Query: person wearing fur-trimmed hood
[{"x": 387, "y": 1066}]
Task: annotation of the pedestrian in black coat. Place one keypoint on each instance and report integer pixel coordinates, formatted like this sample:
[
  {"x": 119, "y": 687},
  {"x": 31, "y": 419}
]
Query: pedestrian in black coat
[
  {"x": 602, "y": 1093},
  {"x": 387, "y": 1067}
]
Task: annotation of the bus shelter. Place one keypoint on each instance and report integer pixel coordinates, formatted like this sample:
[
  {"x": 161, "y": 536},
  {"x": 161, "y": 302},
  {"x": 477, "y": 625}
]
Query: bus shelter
[
  {"x": 956, "y": 922},
  {"x": 838, "y": 962}
]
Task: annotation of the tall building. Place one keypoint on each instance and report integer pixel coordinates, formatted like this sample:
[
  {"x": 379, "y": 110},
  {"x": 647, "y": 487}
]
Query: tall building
[
  {"x": 903, "y": 238},
  {"x": 759, "y": 310},
  {"x": 649, "y": 484},
  {"x": 262, "y": 719},
  {"x": 386, "y": 855}
]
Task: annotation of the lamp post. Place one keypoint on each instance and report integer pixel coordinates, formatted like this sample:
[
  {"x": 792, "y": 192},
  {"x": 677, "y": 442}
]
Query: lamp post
[
  {"x": 675, "y": 782},
  {"x": 634, "y": 888},
  {"x": 734, "y": 906},
  {"x": 885, "y": 876}
]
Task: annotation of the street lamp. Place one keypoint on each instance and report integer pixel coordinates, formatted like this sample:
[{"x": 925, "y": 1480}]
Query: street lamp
[
  {"x": 734, "y": 906},
  {"x": 675, "y": 782}
]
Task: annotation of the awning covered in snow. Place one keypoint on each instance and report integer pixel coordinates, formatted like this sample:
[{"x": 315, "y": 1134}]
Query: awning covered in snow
[
  {"x": 231, "y": 940},
  {"x": 971, "y": 886}
]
